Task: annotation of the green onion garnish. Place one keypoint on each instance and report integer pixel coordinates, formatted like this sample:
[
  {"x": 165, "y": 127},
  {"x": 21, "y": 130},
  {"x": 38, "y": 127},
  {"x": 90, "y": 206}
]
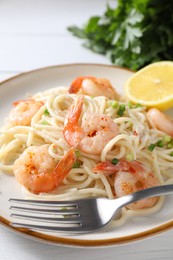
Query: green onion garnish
[
  {"x": 77, "y": 153},
  {"x": 44, "y": 122},
  {"x": 169, "y": 145},
  {"x": 115, "y": 161},
  {"x": 160, "y": 143},
  {"x": 151, "y": 147},
  {"x": 77, "y": 164},
  {"x": 167, "y": 138},
  {"x": 129, "y": 157},
  {"x": 130, "y": 105},
  {"x": 46, "y": 112},
  {"x": 114, "y": 104},
  {"x": 137, "y": 105},
  {"x": 121, "y": 110}
]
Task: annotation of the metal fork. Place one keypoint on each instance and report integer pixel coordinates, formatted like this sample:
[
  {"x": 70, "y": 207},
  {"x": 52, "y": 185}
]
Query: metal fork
[{"x": 78, "y": 216}]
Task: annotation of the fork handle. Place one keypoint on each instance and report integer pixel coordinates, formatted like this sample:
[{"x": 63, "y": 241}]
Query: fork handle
[{"x": 146, "y": 193}]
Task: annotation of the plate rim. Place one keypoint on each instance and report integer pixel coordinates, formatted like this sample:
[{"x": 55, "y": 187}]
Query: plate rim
[
  {"x": 73, "y": 242},
  {"x": 87, "y": 243},
  {"x": 21, "y": 74}
]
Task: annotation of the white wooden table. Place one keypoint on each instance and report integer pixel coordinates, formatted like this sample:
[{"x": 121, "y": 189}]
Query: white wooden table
[{"x": 33, "y": 34}]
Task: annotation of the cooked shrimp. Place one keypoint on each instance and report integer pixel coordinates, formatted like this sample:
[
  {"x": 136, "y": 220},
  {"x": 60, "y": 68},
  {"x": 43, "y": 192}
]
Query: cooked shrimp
[
  {"x": 93, "y": 87},
  {"x": 38, "y": 171},
  {"x": 161, "y": 121},
  {"x": 23, "y": 111},
  {"x": 93, "y": 134},
  {"x": 131, "y": 177}
]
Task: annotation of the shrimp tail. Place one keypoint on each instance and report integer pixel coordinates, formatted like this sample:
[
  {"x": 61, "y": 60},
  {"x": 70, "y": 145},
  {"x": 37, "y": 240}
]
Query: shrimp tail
[
  {"x": 77, "y": 84},
  {"x": 64, "y": 166},
  {"x": 105, "y": 167},
  {"x": 160, "y": 121},
  {"x": 108, "y": 168},
  {"x": 75, "y": 111},
  {"x": 72, "y": 131},
  {"x": 15, "y": 103}
]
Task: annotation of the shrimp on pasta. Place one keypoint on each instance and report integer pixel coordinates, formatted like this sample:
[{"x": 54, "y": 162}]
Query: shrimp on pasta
[
  {"x": 23, "y": 111},
  {"x": 39, "y": 172},
  {"x": 130, "y": 177},
  {"x": 93, "y": 86},
  {"x": 160, "y": 120},
  {"x": 95, "y": 131}
]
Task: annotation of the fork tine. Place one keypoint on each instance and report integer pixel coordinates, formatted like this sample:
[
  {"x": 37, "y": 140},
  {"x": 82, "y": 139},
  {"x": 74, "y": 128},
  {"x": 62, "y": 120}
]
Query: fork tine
[
  {"x": 66, "y": 220},
  {"x": 67, "y": 229},
  {"x": 44, "y": 202},
  {"x": 46, "y": 211}
]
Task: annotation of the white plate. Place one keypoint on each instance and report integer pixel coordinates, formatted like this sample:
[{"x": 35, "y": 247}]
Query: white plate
[{"x": 39, "y": 80}]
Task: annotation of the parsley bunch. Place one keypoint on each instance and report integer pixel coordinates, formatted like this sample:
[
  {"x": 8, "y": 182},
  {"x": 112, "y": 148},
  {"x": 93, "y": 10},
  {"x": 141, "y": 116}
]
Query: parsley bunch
[{"x": 134, "y": 34}]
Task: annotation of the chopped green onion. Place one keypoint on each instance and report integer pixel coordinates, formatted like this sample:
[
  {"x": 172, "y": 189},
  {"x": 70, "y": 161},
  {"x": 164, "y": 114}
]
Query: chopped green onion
[
  {"x": 160, "y": 143},
  {"x": 130, "y": 105},
  {"x": 44, "y": 122},
  {"x": 114, "y": 104},
  {"x": 167, "y": 138},
  {"x": 137, "y": 105},
  {"x": 77, "y": 153},
  {"x": 151, "y": 147},
  {"x": 115, "y": 161},
  {"x": 169, "y": 145},
  {"x": 129, "y": 157},
  {"x": 46, "y": 112},
  {"x": 171, "y": 154},
  {"x": 110, "y": 102},
  {"x": 121, "y": 110},
  {"x": 77, "y": 164}
]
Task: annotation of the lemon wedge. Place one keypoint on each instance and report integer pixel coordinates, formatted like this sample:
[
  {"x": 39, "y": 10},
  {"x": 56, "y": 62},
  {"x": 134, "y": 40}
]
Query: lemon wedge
[{"x": 152, "y": 86}]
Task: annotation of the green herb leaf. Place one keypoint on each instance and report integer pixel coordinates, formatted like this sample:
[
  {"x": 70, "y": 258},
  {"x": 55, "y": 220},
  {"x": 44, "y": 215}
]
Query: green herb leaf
[
  {"x": 134, "y": 34},
  {"x": 77, "y": 31}
]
